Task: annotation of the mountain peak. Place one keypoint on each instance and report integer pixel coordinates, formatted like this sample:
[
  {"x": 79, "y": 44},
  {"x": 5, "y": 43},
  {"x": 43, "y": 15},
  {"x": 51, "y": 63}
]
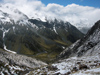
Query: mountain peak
[{"x": 7, "y": 14}]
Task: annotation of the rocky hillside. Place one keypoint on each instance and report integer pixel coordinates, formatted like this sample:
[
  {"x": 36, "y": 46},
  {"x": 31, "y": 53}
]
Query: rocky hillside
[
  {"x": 72, "y": 66},
  {"x": 89, "y": 45},
  {"x": 11, "y": 63}
]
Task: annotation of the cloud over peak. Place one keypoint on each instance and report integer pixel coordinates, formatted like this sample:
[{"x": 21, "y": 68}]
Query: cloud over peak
[{"x": 75, "y": 14}]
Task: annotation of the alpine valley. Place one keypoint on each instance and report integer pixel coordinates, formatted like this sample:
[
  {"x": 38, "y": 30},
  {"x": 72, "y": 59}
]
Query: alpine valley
[
  {"x": 33, "y": 37},
  {"x": 34, "y": 47}
]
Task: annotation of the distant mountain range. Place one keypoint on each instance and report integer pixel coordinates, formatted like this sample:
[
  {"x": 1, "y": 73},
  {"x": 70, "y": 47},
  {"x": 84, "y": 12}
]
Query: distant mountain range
[{"x": 83, "y": 24}]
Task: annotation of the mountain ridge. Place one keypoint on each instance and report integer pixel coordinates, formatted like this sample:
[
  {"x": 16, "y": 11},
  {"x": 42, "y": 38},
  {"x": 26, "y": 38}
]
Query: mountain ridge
[
  {"x": 83, "y": 22},
  {"x": 92, "y": 41}
]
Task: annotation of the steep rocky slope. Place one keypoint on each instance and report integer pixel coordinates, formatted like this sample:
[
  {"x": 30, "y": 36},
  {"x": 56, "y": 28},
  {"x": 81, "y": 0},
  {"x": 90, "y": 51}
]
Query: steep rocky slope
[{"x": 89, "y": 45}]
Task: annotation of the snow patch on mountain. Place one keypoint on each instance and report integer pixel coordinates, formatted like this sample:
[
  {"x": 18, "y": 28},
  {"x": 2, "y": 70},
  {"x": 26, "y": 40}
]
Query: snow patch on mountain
[
  {"x": 54, "y": 28},
  {"x": 4, "y": 33},
  {"x": 34, "y": 26},
  {"x": 5, "y": 48}
]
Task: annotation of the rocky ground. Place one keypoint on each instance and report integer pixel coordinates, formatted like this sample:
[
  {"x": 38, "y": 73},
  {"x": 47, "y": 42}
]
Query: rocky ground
[
  {"x": 14, "y": 64},
  {"x": 89, "y": 65}
]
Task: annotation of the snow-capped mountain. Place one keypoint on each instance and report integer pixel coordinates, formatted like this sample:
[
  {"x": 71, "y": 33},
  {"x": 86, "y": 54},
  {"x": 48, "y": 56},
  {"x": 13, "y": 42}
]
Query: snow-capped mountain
[
  {"x": 34, "y": 37},
  {"x": 10, "y": 14},
  {"x": 80, "y": 18}
]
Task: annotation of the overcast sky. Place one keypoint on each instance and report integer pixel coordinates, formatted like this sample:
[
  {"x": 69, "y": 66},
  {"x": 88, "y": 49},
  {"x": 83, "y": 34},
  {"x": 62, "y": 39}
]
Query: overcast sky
[{"x": 68, "y": 10}]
